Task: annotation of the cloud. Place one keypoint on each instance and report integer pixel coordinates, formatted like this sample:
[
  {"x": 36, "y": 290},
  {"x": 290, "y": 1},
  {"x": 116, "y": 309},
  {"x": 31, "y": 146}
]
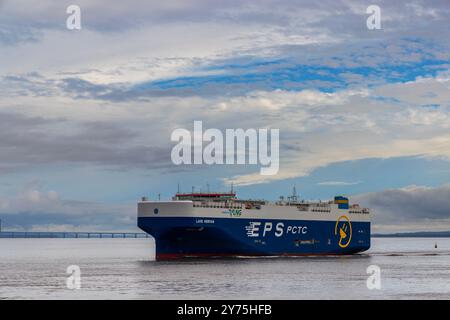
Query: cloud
[
  {"x": 12, "y": 35},
  {"x": 331, "y": 33},
  {"x": 317, "y": 128},
  {"x": 35, "y": 141},
  {"x": 338, "y": 183},
  {"x": 356, "y": 125},
  {"x": 410, "y": 208},
  {"x": 33, "y": 209}
]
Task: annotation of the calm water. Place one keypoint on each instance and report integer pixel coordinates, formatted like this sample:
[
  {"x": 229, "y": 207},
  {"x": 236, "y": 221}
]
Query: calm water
[{"x": 411, "y": 268}]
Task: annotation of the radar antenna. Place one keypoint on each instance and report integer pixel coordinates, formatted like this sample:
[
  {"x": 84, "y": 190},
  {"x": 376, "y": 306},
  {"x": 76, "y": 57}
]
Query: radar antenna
[{"x": 294, "y": 196}]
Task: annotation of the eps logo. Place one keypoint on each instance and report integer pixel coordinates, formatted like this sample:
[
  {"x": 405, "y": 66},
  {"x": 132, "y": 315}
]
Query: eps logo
[{"x": 343, "y": 230}]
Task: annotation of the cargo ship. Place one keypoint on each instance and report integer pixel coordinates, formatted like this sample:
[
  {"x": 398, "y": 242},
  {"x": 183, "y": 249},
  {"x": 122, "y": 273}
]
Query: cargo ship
[{"x": 221, "y": 225}]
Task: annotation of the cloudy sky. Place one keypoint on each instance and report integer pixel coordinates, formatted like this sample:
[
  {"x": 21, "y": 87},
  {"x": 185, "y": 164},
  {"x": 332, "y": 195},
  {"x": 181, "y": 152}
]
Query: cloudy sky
[{"x": 86, "y": 115}]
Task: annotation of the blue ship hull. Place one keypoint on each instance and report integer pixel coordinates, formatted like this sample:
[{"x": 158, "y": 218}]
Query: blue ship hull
[{"x": 178, "y": 237}]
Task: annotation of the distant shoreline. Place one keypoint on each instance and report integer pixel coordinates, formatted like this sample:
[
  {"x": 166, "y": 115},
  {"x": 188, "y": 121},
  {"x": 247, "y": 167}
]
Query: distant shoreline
[{"x": 420, "y": 234}]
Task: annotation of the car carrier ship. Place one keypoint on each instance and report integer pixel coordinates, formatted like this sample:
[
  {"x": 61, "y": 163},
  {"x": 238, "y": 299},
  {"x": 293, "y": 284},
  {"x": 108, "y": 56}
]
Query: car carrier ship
[{"x": 220, "y": 224}]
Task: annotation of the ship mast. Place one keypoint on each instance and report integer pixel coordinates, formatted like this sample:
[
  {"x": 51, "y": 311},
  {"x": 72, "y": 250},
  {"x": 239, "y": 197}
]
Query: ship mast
[{"x": 294, "y": 197}]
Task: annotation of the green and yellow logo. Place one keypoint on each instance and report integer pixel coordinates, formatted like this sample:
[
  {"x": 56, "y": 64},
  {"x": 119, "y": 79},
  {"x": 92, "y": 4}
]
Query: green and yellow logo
[
  {"x": 343, "y": 230},
  {"x": 233, "y": 212}
]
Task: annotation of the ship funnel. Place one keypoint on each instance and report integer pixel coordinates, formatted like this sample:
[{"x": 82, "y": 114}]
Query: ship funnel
[{"x": 342, "y": 202}]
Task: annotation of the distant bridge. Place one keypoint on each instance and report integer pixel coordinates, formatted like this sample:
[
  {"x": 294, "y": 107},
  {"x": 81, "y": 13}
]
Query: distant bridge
[{"x": 25, "y": 234}]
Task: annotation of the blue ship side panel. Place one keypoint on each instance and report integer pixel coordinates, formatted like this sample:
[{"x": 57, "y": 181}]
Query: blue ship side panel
[{"x": 182, "y": 237}]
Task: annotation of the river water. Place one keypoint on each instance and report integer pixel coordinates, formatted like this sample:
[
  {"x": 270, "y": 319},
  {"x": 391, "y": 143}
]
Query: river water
[{"x": 410, "y": 268}]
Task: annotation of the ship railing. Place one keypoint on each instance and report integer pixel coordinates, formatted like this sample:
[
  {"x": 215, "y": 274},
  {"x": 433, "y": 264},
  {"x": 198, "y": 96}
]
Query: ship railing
[{"x": 217, "y": 205}]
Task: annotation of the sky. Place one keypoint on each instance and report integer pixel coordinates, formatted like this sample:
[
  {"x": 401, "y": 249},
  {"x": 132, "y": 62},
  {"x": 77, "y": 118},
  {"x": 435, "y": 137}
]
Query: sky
[{"x": 86, "y": 115}]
